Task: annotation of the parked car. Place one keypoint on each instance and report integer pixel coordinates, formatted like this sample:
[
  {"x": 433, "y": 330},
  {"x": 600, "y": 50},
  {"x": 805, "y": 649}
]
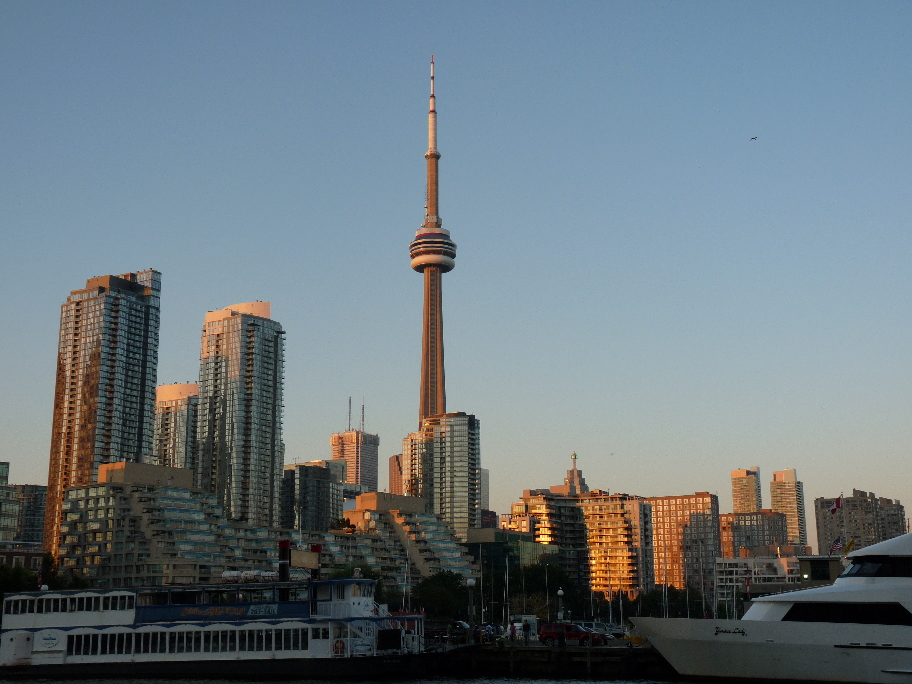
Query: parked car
[
  {"x": 599, "y": 627},
  {"x": 573, "y": 635}
]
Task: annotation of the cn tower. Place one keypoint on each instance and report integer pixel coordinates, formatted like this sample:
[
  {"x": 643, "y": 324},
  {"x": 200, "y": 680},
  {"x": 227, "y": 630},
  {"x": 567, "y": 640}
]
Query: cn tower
[{"x": 433, "y": 254}]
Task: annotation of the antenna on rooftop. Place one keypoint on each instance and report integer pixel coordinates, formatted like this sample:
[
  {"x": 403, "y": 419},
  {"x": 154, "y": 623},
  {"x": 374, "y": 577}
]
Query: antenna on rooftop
[
  {"x": 349, "y": 414},
  {"x": 362, "y": 415}
]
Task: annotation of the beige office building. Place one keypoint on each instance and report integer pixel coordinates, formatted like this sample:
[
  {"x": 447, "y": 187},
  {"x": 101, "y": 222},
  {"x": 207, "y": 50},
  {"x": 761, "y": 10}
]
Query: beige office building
[
  {"x": 787, "y": 496},
  {"x": 360, "y": 451},
  {"x": 746, "y": 490}
]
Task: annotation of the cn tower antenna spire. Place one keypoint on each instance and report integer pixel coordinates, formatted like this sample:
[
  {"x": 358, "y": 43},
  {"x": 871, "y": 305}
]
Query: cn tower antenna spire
[
  {"x": 432, "y": 115},
  {"x": 433, "y": 253}
]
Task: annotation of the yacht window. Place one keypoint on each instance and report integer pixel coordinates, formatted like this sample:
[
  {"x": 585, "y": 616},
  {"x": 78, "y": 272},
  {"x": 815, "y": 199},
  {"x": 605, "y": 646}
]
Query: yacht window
[
  {"x": 879, "y": 566},
  {"x": 858, "y": 613}
]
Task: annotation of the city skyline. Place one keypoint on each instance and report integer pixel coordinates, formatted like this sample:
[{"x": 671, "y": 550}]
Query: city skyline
[{"x": 749, "y": 302}]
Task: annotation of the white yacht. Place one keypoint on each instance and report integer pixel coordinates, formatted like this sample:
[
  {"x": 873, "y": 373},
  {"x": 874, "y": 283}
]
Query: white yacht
[
  {"x": 858, "y": 629},
  {"x": 273, "y": 630}
]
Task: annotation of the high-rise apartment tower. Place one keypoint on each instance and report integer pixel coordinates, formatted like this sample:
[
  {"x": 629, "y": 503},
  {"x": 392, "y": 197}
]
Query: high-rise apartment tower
[
  {"x": 440, "y": 463},
  {"x": 395, "y": 474},
  {"x": 746, "y": 490},
  {"x": 433, "y": 254},
  {"x": 787, "y": 496},
  {"x": 360, "y": 451},
  {"x": 104, "y": 399},
  {"x": 241, "y": 453},
  {"x": 686, "y": 539},
  {"x": 176, "y": 413}
]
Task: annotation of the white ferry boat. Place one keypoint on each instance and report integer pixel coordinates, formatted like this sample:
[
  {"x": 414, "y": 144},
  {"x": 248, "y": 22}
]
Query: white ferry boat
[
  {"x": 858, "y": 629},
  {"x": 273, "y": 630}
]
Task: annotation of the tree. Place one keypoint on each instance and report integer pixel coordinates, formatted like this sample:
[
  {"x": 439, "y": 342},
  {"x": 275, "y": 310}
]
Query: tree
[
  {"x": 17, "y": 579},
  {"x": 51, "y": 576},
  {"x": 443, "y": 596}
]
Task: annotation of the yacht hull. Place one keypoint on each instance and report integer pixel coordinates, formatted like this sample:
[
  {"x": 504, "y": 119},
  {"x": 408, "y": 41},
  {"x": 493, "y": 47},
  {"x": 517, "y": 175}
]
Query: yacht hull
[{"x": 794, "y": 651}]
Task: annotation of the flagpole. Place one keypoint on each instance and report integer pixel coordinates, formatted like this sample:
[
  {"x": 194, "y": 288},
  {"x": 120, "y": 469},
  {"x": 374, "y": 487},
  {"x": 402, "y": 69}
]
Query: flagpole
[{"x": 845, "y": 534}]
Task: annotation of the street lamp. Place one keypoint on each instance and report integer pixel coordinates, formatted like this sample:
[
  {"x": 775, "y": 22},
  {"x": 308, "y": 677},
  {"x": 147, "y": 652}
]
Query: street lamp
[
  {"x": 470, "y": 583},
  {"x": 560, "y": 604}
]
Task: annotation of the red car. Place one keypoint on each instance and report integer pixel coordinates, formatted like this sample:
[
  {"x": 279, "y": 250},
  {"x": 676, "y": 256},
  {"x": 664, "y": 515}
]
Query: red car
[{"x": 574, "y": 635}]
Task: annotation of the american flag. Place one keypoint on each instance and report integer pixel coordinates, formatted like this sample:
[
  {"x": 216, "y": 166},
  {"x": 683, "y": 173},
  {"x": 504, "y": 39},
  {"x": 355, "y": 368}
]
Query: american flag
[{"x": 837, "y": 546}]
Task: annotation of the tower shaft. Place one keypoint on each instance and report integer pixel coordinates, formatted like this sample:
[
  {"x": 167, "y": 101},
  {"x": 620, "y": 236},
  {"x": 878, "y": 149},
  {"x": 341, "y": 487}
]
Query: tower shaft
[{"x": 433, "y": 385}]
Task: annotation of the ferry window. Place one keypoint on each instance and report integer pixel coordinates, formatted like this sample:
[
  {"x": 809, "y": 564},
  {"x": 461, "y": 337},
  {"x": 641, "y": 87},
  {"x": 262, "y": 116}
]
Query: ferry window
[
  {"x": 172, "y": 642},
  {"x": 180, "y": 637},
  {"x": 56, "y": 606},
  {"x": 71, "y": 604},
  {"x": 302, "y": 634},
  {"x": 255, "y": 596},
  {"x": 184, "y": 598},
  {"x": 340, "y": 630},
  {"x": 340, "y": 592},
  {"x": 260, "y": 640},
  {"x": 241, "y": 640},
  {"x": 356, "y": 590},
  {"x": 156, "y": 598},
  {"x": 207, "y": 642},
  {"x": 80, "y": 603},
  {"x": 232, "y": 641}
]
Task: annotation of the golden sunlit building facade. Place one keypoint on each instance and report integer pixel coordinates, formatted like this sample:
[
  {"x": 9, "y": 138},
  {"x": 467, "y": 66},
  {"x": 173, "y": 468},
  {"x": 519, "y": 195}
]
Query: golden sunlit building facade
[{"x": 686, "y": 539}]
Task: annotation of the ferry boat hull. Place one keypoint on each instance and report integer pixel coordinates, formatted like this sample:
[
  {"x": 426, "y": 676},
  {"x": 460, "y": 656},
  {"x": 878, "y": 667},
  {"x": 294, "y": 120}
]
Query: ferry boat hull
[
  {"x": 404, "y": 666},
  {"x": 791, "y": 651}
]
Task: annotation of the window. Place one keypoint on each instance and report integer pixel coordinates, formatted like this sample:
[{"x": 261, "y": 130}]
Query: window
[{"x": 844, "y": 612}]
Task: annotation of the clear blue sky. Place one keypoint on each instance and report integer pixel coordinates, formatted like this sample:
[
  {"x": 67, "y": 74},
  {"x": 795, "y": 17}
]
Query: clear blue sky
[{"x": 636, "y": 281}]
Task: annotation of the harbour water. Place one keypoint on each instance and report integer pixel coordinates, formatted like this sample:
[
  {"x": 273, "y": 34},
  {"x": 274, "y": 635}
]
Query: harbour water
[{"x": 424, "y": 681}]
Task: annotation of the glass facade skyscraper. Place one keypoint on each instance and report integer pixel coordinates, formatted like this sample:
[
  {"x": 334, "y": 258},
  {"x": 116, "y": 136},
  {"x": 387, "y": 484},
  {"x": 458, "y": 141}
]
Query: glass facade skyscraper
[
  {"x": 176, "y": 413},
  {"x": 241, "y": 453},
  {"x": 440, "y": 463},
  {"x": 104, "y": 399}
]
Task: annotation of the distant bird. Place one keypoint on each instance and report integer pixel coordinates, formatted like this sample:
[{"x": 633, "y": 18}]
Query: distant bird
[{"x": 754, "y": 138}]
